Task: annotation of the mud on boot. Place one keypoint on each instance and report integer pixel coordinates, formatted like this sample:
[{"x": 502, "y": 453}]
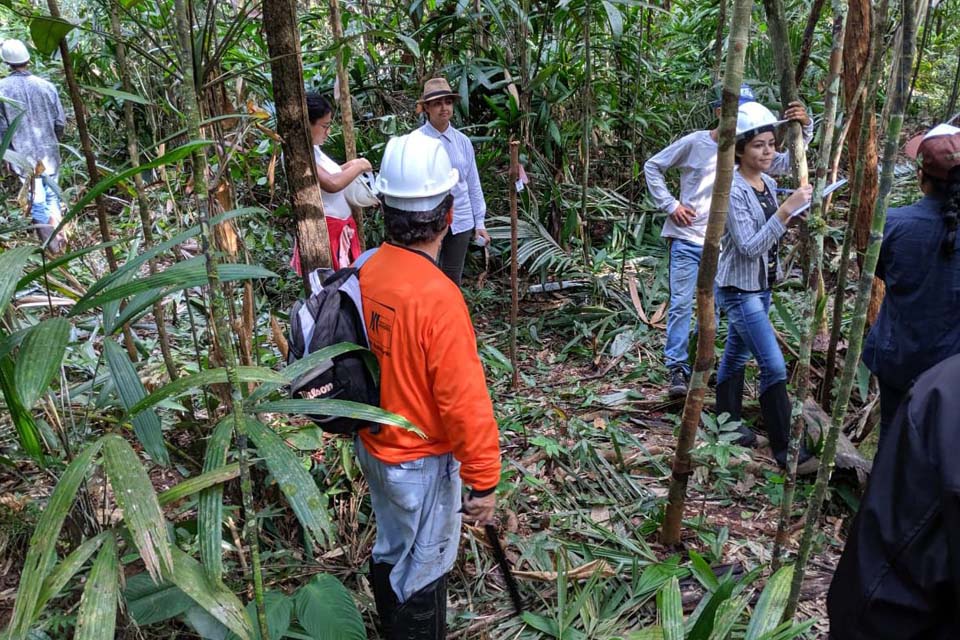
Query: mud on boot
[{"x": 730, "y": 401}]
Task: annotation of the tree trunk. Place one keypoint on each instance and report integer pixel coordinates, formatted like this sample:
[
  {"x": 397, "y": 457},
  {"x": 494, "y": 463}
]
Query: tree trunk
[
  {"x": 806, "y": 46},
  {"x": 93, "y": 173},
  {"x": 816, "y": 225},
  {"x": 221, "y": 335},
  {"x": 718, "y": 42},
  {"x": 783, "y": 57},
  {"x": 586, "y": 134},
  {"x": 955, "y": 93},
  {"x": 346, "y": 105},
  {"x": 706, "y": 324},
  {"x": 283, "y": 44},
  {"x": 856, "y": 189},
  {"x": 898, "y": 100}
]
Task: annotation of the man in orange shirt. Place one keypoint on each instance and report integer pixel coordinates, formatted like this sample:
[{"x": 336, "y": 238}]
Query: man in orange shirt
[{"x": 420, "y": 330}]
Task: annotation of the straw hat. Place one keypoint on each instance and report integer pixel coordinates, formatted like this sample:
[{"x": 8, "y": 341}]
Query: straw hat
[{"x": 435, "y": 88}]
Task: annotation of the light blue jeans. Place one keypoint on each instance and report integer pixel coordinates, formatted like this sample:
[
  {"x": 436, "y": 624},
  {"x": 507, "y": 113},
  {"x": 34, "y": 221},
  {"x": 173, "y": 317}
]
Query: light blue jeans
[
  {"x": 417, "y": 506},
  {"x": 750, "y": 332},
  {"x": 40, "y": 211},
  {"x": 684, "y": 265}
]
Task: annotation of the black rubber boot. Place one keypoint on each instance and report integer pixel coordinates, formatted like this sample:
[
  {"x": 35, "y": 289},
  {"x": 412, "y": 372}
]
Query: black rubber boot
[
  {"x": 424, "y": 615},
  {"x": 730, "y": 400},
  {"x": 776, "y": 408},
  {"x": 383, "y": 595}
]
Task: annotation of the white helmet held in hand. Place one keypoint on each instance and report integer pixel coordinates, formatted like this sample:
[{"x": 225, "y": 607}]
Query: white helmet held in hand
[
  {"x": 752, "y": 116},
  {"x": 360, "y": 193},
  {"x": 415, "y": 174},
  {"x": 14, "y": 52}
]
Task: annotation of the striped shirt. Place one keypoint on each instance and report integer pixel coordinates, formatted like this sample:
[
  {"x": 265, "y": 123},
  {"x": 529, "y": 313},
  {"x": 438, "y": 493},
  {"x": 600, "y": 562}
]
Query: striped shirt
[
  {"x": 469, "y": 207},
  {"x": 747, "y": 238},
  {"x": 36, "y": 136}
]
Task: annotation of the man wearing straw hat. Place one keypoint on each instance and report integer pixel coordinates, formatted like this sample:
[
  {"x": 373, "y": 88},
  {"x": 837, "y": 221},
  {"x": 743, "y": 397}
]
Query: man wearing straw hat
[{"x": 469, "y": 207}]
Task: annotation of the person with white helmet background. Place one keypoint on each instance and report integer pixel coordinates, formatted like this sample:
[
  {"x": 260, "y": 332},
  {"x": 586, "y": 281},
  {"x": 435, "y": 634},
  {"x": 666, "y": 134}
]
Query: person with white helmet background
[
  {"x": 36, "y": 137},
  {"x": 469, "y": 207},
  {"x": 695, "y": 156},
  {"x": 341, "y": 185},
  {"x": 749, "y": 267},
  {"x": 420, "y": 330}
]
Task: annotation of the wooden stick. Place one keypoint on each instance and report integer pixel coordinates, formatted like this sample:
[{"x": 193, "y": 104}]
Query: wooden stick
[{"x": 514, "y": 294}]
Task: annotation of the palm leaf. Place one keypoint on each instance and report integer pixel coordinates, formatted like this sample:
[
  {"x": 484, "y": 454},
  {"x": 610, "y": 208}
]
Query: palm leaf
[
  {"x": 339, "y": 408},
  {"x": 201, "y": 379},
  {"x": 299, "y": 367},
  {"x": 146, "y": 424},
  {"x": 42, "y": 553},
  {"x": 141, "y": 510},
  {"x": 198, "y": 483},
  {"x": 210, "y": 509},
  {"x": 40, "y": 357},
  {"x": 727, "y": 615},
  {"x": 11, "y": 266},
  {"x": 97, "y": 618},
  {"x": 326, "y": 610},
  {"x": 148, "y": 602},
  {"x": 301, "y": 490},
  {"x": 68, "y": 568},
  {"x": 23, "y": 422},
  {"x": 215, "y": 599},
  {"x": 773, "y": 600},
  {"x": 670, "y": 610}
]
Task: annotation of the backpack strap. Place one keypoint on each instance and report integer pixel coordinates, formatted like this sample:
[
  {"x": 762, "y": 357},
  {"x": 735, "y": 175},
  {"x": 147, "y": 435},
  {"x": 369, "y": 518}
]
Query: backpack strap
[{"x": 363, "y": 257}]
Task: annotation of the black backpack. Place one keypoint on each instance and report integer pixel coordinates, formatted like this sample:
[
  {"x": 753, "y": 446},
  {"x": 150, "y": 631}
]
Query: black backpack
[{"x": 333, "y": 314}]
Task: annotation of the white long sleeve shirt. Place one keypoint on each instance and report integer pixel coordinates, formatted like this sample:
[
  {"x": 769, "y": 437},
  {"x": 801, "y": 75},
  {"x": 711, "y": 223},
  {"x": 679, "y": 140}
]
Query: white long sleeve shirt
[
  {"x": 469, "y": 207},
  {"x": 695, "y": 155}
]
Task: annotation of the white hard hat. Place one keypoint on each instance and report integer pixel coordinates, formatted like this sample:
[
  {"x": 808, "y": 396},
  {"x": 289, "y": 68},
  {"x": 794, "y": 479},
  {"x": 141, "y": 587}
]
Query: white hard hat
[
  {"x": 415, "y": 174},
  {"x": 14, "y": 52},
  {"x": 360, "y": 193},
  {"x": 752, "y": 116}
]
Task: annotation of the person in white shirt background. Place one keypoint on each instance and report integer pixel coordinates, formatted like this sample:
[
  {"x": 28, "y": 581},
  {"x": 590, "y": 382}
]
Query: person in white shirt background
[
  {"x": 695, "y": 155},
  {"x": 469, "y": 207}
]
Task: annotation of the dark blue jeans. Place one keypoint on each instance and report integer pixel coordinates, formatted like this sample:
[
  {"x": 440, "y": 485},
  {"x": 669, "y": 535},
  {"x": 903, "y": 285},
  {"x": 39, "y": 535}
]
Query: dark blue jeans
[{"x": 750, "y": 333}]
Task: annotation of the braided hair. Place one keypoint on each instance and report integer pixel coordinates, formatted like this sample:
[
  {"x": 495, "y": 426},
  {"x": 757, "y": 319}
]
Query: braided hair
[{"x": 950, "y": 209}]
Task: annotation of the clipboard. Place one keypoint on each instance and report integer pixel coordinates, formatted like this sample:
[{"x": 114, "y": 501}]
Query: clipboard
[{"x": 826, "y": 191}]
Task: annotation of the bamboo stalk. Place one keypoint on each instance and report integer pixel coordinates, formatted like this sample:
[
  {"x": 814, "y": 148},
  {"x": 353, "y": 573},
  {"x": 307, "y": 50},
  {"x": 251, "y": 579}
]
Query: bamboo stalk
[
  {"x": 514, "y": 293},
  {"x": 586, "y": 133},
  {"x": 898, "y": 101},
  {"x": 221, "y": 334},
  {"x": 706, "y": 324},
  {"x": 816, "y": 226},
  {"x": 869, "y": 99}
]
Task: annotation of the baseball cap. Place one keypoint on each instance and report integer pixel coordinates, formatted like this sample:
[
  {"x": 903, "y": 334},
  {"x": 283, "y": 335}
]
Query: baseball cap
[
  {"x": 746, "y": 95},
  {"x": 937, "y": 151}
]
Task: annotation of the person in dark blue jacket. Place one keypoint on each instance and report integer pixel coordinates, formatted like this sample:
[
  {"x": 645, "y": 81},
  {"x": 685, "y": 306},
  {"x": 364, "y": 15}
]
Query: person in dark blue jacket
[
  {"x": 919, "y": 321},
  {"x": 899, "y": 575}
]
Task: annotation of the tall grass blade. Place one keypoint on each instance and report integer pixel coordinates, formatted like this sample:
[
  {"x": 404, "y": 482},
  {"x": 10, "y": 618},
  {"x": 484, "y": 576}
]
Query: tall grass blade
[
  {"x": 146, "y": 424},
  {"x": 300, "y": 488},
  {"x": 97, "y": 618},
  {"x": 210, "y": 509},
  {"x": 141, "y": 510},
  {"x": 42, "y": 553}
]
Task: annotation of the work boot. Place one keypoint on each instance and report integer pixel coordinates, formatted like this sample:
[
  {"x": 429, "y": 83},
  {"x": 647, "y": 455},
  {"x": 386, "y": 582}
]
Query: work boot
[
  {"x": 424, "y": 615},
  {"x": 678, "y": 383},
  {"x": 775, "y": 408},
  {"x": 383, "y": 595},
  {"x": 730, "y": 401}
]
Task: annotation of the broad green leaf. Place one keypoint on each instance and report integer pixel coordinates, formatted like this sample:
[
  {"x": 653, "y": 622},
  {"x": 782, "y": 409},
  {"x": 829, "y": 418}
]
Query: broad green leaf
[
  {"x": 670, "y": 610},
  {"x": 12, "y": 262},
  {"x": 47, "y": 32},
  {"x": 116, "y": 93},
  {"x": 279, "y": 610},
  {"x": 42, "y": 553},
  {"x": 702, "y": 571},
  {"x": 615, "y": 18},
  {"x": 297, "y": 485},
  {"x": 67, "y": 568},
  {"x": 202, "y": 379},
  {"x": 210, "y": 507},
  {"x": 23, "y": 422},
  {"x": 146, "y": 424},
  {"x": 206, "y": 626},
  {"x": 701, "y": 621},
  {"x": 773, "y": 600},
  {"x": 542, "y": 624},
  {"x": 133, "y": 264},
  {"x": 149, "y": 602},
  {"x": 39, "y": 359},
  {"x": 198, "y": 483},
  {"x": 727, "y": 615},
  {"x": 339, "y": 408},
  {"x": 183, "y": 275},
  {"x": 97, "y": 617},
  {"x": 410, "y": 44},
  {"x": 326, "y": 610},
  {"x": 215, "y": 599},
  {"x": 141, "y": 510},
  {"x": 650, "y": 633}
]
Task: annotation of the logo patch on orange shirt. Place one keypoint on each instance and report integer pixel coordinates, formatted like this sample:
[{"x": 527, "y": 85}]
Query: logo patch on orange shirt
[{"x": 380, "y": 323}]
